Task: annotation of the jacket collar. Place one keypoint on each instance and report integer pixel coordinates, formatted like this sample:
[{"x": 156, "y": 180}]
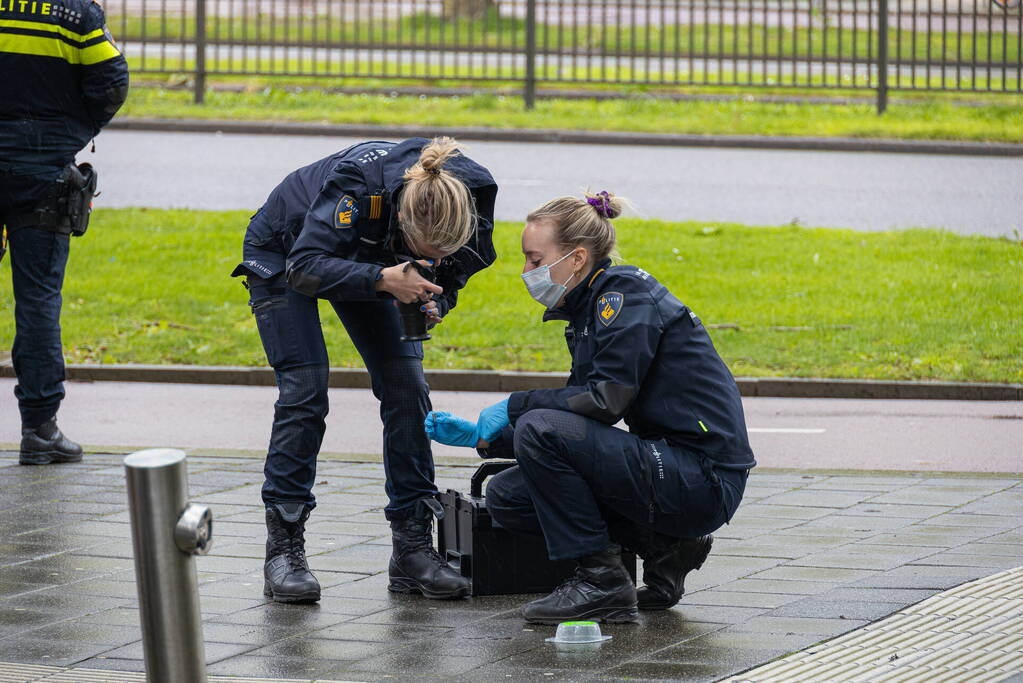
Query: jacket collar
[{"x": 578, "y": 296}]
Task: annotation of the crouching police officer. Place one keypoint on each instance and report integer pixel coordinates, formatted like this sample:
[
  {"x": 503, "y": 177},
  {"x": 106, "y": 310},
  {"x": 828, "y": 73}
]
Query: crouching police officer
[
  {"x": 590, "y": 488},
  {"x": 348, "y": 229},
  {"x": 63, "y": 80}
]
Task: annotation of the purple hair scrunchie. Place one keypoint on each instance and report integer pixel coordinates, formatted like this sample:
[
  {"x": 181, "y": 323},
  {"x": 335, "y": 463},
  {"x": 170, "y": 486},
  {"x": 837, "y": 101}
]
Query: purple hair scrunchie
[{"x": 602, "y": 203}]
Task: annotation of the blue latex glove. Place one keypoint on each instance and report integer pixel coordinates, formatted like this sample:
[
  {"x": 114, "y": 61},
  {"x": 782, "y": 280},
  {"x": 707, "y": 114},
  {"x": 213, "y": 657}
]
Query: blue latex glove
[
  {"x": 450, "y": 430},
  {"x": 492, "y": 420}
]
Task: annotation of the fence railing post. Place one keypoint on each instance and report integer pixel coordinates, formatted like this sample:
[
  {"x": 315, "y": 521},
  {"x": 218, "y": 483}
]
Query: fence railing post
[
  {"x": 166, "y": 531},
  {"x": 200, "y": 51},
  {"x": 529, "y": 93},
  {"x": 882, "y": 56}
]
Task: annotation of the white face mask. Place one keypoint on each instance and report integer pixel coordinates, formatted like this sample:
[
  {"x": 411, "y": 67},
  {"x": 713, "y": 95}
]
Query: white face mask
[{"x": 542, "y": 288}]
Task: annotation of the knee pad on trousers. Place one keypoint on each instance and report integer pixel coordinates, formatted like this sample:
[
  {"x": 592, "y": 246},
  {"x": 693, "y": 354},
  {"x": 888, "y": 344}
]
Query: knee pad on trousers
[
  {"x": 402, "y": 383},
  {"x": 304, "y": 386},
  {"x": 538, "y": 431},
  {"x": 404, "y": 402}
]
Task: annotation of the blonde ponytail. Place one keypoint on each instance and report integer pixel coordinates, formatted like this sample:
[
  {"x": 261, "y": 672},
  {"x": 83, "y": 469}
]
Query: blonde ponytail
[{"x": 436, "y": 207}]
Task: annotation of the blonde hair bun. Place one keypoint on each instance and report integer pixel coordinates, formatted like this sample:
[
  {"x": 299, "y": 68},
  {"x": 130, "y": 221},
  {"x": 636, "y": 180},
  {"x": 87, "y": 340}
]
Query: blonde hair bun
[
  {"x": 436, "y": 206},
  {"x": 584, "y": 222},
  {"x": 606, "y": 204}
]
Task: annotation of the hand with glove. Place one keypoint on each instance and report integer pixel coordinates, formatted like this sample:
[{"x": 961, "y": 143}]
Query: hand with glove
[
  {"x": 451, "y": 430},
  {"x": 492, "y": 420}
]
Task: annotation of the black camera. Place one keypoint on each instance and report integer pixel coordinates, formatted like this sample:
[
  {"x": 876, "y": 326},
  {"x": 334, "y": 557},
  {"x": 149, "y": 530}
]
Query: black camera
[{"x": 413, "y": 320}]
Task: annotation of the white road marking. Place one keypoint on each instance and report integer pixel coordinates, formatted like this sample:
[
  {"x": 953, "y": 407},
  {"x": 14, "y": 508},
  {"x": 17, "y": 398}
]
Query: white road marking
[{"x": 785, "y": 430}]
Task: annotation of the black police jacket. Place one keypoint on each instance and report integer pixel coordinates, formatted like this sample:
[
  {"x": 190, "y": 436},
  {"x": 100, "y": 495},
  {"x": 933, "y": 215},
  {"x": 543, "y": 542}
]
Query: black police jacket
[
  {"x": 332, "y": 225},
  {"x": 640, "y": 354},
  {"x": 61, "y": 80}
]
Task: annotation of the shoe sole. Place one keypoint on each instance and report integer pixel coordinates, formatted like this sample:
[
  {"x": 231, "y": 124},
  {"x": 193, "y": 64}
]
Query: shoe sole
[
  {"x": 47, "y": 458},
  {"x": 658, "y": 606},
  {"x": 628, "y": 615},
  {"x": 411, "y": 587},
  {"x": 291, "y": 599}
]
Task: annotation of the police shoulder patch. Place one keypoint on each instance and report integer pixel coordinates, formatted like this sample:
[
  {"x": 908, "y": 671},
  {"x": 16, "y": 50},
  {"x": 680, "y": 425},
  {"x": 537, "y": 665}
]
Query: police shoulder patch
[
  {"x": 345, "y": 213},
  {"x": 609, "y": 305}
]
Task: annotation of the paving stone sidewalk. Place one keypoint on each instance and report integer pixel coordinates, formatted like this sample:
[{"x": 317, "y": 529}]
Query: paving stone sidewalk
[{"x": 809, "y": 556}]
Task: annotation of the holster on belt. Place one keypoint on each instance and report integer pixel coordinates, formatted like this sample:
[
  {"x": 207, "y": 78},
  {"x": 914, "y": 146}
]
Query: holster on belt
[{"x": 67, "y": 210}]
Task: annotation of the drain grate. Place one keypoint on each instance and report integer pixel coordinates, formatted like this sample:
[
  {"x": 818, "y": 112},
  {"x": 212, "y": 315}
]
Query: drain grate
[{"x": 969, "y": 633}]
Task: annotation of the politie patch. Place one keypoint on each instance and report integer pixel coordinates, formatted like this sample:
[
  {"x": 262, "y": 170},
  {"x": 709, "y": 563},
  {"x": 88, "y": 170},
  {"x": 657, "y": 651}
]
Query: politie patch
[
  {"x": 345, "y": 213},
  {"x": 609, "y": 305}
]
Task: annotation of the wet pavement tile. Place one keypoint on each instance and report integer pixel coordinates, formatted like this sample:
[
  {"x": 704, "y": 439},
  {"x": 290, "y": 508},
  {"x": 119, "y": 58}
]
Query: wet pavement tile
[
  {"x": 991, "y": 547},
  {"x": 51, "y": 653},
  {"x": 113, "y": 664},
  {"x": 725, "y": 598},
  {"x": 818, "y": 626},
  {"x": 801, "y": 573},
  {"x": 779, "y": 586},
  {"x": 819, "y": 499},
  {"x": 274, "y": 667},
  {"x": 991, "y": 562},
  {"x": 820, "y": 607},
  {"x": 215, "y": 652},
  {"x": 901, "y": 596},
  {"x": 927, "y": 577},
  {"x": 413, "y": 660},
  {"x": 304, "y": 617},
  {"x": 670, "y": 671},
  {"x": 382, "y": 633},
  {"x": 310, "y": 647},
  {"x": 740, "y": 641}
]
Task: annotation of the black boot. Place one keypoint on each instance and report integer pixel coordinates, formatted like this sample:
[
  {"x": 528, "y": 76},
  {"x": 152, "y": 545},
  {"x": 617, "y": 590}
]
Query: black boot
[
  {"x": 416, "y": 567},
  {"x": 666, "y": 561},
  {"x": 46, "y": 445},
  {"x": 601, "y": 590},
  {"x": 286, "y": 575}
]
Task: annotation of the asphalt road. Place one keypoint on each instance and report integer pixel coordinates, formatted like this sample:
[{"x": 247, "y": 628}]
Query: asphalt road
[
  {"x": 834, "y": 434},
  {"x": 863, "y": 191}
]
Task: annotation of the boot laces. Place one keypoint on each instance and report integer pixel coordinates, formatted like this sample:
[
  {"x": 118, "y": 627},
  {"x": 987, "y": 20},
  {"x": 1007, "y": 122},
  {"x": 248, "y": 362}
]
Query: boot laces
[
  {"x": 573, "y": 581},
  {"x": 289, "y": 539},
  {"x": 419, "y": 538}
]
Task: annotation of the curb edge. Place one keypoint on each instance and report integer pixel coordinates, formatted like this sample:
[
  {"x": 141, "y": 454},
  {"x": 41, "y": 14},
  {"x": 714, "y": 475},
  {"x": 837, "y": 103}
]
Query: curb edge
[
  {"x": 507, "y": 381},
  {"x": 542, "y": 135}
]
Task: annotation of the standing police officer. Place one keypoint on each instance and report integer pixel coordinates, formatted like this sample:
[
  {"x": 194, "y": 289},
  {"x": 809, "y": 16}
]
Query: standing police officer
[
  {"x": 348, "y": 229},
  {"x": 638, "y": 354},
  {"x": 61, "y": 80}
]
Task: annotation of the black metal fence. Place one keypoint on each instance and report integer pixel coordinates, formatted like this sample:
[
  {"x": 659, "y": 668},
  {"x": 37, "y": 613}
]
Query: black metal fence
[{"x": 877, "y": 45}]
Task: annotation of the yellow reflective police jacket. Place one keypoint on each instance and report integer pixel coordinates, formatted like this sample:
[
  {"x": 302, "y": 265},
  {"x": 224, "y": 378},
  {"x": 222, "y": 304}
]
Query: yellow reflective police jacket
[{"x": 62, "y": 79}]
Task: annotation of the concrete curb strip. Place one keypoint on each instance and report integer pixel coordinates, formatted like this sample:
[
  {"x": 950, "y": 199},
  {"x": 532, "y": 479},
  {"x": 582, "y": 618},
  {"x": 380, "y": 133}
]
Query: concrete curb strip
[
  {"x": 507, "y": 381},
  {"x": 571, "y": 136}
]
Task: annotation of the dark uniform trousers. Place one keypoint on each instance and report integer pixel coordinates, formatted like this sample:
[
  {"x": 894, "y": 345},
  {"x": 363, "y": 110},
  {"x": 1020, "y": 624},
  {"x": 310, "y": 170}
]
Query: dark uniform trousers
[
  {"x": 289, "y": 326},
  {"x": 38, "y": 260},
  {"x": 577, "y": 476}
]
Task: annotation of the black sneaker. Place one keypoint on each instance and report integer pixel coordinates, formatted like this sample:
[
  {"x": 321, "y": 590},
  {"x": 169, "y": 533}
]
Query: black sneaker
[
  {"x": 601, "y": 590},
  {"x": 46, "y": 445}
]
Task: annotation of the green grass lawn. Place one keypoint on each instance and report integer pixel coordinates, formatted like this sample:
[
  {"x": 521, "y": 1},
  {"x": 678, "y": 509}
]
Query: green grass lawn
[
  {"x": 998, "y": 120},
  {"x": 152, "y": 286}
]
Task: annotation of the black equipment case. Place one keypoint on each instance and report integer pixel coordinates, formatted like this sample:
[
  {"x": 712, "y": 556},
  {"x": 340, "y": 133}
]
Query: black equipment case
[{"x": 496, "y": 561}]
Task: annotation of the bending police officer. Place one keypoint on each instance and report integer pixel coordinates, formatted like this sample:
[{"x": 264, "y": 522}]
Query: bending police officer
[
  {"x": 638, "y": 354},
  {"x": 345, "y": 229},
  {"x": 63, "y": 80}
]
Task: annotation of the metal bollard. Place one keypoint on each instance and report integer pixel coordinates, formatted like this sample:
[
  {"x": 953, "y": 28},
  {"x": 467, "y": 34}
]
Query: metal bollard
[{"x": 166, "y": 531}]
